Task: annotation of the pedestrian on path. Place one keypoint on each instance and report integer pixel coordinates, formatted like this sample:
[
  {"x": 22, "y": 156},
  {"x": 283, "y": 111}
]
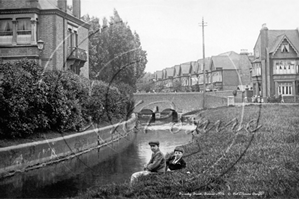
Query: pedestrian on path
[{"x": 157, "y": 163}]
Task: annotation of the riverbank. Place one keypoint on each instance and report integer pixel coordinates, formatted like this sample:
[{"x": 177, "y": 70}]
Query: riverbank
[
  {"x": 33, "y": 155},
  {"x": 258, "y": 157}
]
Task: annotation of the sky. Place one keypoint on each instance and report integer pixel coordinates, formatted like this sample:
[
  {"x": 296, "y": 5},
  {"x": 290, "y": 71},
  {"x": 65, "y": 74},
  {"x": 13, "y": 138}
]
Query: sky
[{"x": 170, "y": 30}]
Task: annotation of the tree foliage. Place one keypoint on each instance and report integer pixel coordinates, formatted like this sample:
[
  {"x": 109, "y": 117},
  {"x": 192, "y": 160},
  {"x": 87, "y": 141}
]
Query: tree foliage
[{"x": 116, "y": 54}]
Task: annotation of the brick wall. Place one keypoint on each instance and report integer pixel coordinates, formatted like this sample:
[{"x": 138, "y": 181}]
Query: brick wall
[
  {"x": 29, "y": 51},
  {"x": 83, "y": 42},
  {"x": 230, "y": 80},
  {"x": 47, "y": 34},
  {"x": 59, "y": 54}
]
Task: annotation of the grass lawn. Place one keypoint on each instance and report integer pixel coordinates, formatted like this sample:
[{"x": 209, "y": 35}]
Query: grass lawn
[{"x": 231, "y": 162}]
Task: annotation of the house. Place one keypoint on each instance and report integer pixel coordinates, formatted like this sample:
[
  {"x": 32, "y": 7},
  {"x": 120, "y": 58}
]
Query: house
[
  {"x": 168, "y": 76},
  {"x": 201, "y": 66},
  {"x": 48, "y": 31},
  {"x": 275, "y": 68},
  {"x": 185, "y": 74},
  {"x": 194, "y": 74},
  {"x": 229, "y": 71}
]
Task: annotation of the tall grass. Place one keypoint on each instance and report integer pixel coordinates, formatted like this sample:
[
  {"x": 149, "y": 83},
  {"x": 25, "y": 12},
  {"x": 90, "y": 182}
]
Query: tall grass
[{"x": 231, "y": 162}]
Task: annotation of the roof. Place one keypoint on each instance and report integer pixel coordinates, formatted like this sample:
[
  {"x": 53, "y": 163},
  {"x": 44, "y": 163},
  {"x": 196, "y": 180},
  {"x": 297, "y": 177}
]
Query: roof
[
  {"x": 195, "y": 66},
  {"x": 49, "y": 4},
  {"x": 226, "y": 61},
  {"x": 177, "y": 71},
  {"x": 200, "y": 63},
  {"x": 169, "y": 72},
  {"x": 159, "y": 74},
  {"x": 275, "y": 38},
  {"x": 185, "y": 68}
]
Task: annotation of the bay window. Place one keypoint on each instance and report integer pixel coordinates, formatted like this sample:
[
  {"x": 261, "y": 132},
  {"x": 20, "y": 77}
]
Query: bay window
[
  {"x": 286, "y": 67},
  {"x": 18, "y": 29}
]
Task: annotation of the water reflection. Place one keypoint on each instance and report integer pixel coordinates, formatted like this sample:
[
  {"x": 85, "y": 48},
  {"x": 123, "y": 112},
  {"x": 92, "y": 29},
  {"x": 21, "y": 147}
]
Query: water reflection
[{"x": 113, "y": 164}]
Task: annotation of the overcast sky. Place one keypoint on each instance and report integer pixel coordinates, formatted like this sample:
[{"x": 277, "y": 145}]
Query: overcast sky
[{"x": 170, "y": 33}]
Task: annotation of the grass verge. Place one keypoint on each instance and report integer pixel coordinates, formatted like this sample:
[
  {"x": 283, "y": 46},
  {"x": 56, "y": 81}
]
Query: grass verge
[{"x": 229, "y": 162}]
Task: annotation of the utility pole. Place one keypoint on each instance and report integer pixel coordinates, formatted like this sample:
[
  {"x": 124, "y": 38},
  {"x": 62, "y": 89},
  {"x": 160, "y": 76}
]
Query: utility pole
[{"x": 204, "y": 74}]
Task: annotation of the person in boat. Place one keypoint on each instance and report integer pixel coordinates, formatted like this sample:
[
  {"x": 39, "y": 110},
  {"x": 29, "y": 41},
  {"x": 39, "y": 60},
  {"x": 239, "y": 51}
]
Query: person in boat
[
  {"x": 175, "y": 161},
  {"x": 157, "y": 163}
]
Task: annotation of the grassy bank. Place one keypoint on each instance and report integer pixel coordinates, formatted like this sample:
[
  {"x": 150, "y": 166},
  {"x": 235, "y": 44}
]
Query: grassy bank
[{"x": 229, "y": 161}]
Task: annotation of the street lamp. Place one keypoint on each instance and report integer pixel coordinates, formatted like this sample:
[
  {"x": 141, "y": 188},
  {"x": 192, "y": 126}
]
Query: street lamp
[{"x": 40, "y": 45}]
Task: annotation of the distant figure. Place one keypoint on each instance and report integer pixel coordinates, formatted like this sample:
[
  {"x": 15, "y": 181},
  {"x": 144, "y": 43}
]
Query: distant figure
[
  {"x": 156, "y": 164},
  {"x": 175, "y": 161}
]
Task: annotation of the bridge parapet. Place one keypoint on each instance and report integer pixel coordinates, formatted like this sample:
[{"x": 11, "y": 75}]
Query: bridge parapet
[{"x": 180, "y": 102}]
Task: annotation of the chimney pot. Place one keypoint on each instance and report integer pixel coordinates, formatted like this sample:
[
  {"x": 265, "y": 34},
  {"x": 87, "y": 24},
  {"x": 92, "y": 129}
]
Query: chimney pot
[{"x": 264, "y": 26}]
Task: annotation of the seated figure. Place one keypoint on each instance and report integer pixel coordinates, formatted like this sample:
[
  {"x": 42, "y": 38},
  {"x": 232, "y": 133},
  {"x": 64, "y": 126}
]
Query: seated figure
[{"x": 175, "y": 161}]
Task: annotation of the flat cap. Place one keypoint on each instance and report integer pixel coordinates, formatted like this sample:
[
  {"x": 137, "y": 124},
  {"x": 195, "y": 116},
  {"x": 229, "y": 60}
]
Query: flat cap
[
  {"x": 154, "y": 143},
  {"x": 179, "y": 148}
]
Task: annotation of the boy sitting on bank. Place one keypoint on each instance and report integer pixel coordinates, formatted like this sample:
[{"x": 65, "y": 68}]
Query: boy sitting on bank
[
  {"x": 156, "y": 164},
  {"x": 175, "y": 161}
]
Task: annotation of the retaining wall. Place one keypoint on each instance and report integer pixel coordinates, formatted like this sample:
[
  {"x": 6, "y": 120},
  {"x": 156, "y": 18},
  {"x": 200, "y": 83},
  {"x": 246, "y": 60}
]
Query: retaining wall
[{"x": 36, "y": 154}]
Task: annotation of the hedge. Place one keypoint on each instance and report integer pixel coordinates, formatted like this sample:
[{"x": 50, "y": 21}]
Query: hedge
[{"x": 34, "y": 101}]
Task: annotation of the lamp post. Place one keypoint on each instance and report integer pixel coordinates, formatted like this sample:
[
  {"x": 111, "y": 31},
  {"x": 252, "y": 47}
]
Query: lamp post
[{"x": 40, "y": 45}]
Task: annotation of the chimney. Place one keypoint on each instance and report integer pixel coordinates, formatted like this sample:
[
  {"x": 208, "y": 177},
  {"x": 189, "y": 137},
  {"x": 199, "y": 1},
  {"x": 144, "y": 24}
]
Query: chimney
[
  {"x": 76, "y": 8},
  {"x": 264, "y": 41},
  {"x": 244, "y": 52},
  {"x": 62, "y": 4}
]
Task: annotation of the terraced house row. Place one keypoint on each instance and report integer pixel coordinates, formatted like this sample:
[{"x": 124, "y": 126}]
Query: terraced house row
[
  {"x": 227, "y": 71},
  {"x": 273, "y": 70}
]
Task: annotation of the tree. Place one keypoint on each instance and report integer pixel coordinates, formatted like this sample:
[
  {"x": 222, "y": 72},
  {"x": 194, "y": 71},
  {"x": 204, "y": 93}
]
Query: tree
[
  {"x": 116, "y": 53},
  {"x": 177, "y": 86}
]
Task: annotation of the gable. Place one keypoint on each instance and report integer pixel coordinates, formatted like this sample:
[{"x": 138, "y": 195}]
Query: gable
[{"x": 284, "y": 49}]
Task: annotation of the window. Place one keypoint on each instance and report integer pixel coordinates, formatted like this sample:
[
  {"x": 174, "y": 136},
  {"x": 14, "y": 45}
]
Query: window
[
  {"x": 285, "y": 88},
  {"x": 6, "y": 31},
  {"x": 256, "y": 70},
  {"x": 286, "y": 67},
  {"x": 23, "y": 31},
  {"x": 285, "y": 48},
  {"x": 6, "y": 27},
  {"x": 217, "y": 77},
  {"x": 72, "y": 40},
  {"x": 200, "y": 79},
  {"x": 18, "y": 29}
]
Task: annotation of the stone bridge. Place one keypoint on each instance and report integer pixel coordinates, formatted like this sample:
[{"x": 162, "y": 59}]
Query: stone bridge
[{"x": 181, "y": 102}]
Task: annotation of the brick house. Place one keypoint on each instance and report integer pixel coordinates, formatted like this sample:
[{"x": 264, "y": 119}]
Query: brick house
[
  {"x": 229, "y": 71},
  {"x": 275, "y": 69},
  {"x": 55, "y": 23}
]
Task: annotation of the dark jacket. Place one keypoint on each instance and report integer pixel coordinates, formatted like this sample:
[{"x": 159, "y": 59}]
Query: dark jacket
[
  {"x": 157, "y": 162},
  {"x": 180, "y": 164}
]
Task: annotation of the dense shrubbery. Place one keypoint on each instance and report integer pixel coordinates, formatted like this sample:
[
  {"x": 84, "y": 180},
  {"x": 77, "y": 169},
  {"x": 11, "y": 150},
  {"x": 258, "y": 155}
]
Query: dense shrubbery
[{"x": 33, "y": 101}]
